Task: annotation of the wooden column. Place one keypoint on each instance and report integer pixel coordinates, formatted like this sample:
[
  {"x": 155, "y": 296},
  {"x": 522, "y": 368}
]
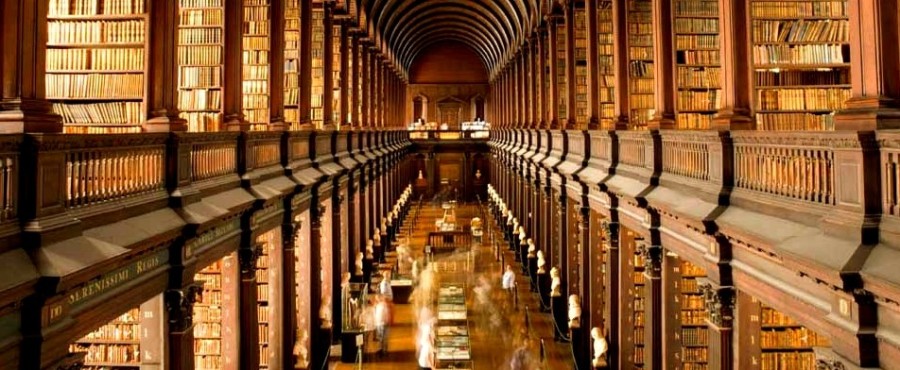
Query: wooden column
[
  {"x": 289, "y": 289},
  {"x": 276, "y": 66},
  {"x": 672, "y": 300},
  {"x": 528, "y": 81},
  {"x": 318, "y": 344},
  {"x": 614, "y": 261},
  {"x": 737, "y": 69},
  {"x": 569, "y": 18},
  {"x": 534, "y": 110},
  {"x": 179, "y": 305},
  {"x": 371, "y": 78},
  {"x": 328, "y": 66},
  {"x": 720, "y": 301},
  {"x": 593, "y": 67},
  {"x": 554, "y": 92},
  {"x": 375, "y": 104},
  {"x": 247, "y": 304},
  {"x": 162, "y": 69},
  {"x": 653, "y": 309},
  {"x": 354, "y": 82},
  {"x": 620, "y": 58},
  {"x": 344, "y": 119},
  {"x": 541, "y": 78},
  {"x": 232, "y": 94},
  {"x": 23, "y": 103},
  {"x": 875, "y": 79},
  {"x": 663, "y": 66},
  {"x": 305, "y": 102}
]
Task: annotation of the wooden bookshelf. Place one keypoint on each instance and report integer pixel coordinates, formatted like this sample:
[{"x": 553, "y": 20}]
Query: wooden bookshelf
[
  {"x": 582, "y": 111},
  {"x": 256, "y": 63},
  {"x": 95, "y": 65},
  {"x": 264, "y": 306},
  {"x": 694, "y": 334},
  {"x": 292, "y": 63},
  {"x": 208, "y": 319},
  {"x": 640, "y": 63},
  {"x": 201, "y": 32},
  {"x": 561, "y": 80},
  {"x": 638, "y": 313},
  {"x": 318, "y": 66},
  {"x": 336, "y": 92},
  {"x": 697, "y": 63},
  {"x": 114, "y": 345},
  {"x": 606, "y": 79},
  {"x": 801, "y": 57}
]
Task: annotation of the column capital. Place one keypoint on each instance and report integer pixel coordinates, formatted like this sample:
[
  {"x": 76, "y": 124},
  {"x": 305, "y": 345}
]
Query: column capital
[
  {"x": 180, "y": 306},
  {"x": 719, "y": 302}
]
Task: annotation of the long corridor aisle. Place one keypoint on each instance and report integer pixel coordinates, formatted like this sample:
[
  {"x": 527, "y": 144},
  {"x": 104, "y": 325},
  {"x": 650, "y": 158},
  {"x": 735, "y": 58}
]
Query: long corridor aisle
[{"x": 497, "y": 327}]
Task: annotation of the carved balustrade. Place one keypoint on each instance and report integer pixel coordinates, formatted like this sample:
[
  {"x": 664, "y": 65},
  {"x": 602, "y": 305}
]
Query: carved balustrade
[
  {"x": 689, "y": 153},
  {"x": 104, "y": 168},
  {"x": 213, "y": 155}
]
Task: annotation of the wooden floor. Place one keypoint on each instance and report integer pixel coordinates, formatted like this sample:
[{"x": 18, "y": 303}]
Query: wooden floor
[{"x": 497, "y": 328}]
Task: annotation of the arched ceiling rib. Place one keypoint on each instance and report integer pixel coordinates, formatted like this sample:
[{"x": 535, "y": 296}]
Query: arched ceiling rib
[{"x": 494, "y": 29}]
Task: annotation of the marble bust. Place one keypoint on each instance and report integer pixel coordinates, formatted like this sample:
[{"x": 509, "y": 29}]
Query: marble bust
[
  {"x": 531, "y": 248},
  {"x": 541, "y": 263},
  {"x": 574, "y": 312},
  {"x": 600, "y": 347},
  {"x": 359, "y": 263},
  {"x": 370, "y": 250},
  {"x": 554, "y": 282},
  {"x": 377, "y": 237}
]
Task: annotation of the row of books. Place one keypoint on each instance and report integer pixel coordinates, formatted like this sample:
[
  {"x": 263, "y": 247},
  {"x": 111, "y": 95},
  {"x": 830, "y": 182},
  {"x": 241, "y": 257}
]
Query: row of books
[
  {"x": 255, "y": 87},
  {"x": 257, "y": 28},
  {"x": 260, "y": 116},
  {"x": 640, "y": 52},
  {"x": 787, "y": 361},
  {"x": 802, "y": 99},
  {"x": 802, "y": 31},
  {"x": 836, "y": 76},
  {"x": 791, "y": 338},
  {"x": 698, "y": 78},
  {"x": 81, "y": 130},
  {"x": 259, "y": 101},
  {"x": 95, "y": 59},
  {"x": 799, "y": 54},
  {"x": 97, "y": 354},
  {"x": 95, "y": 32},
  {"x": 696, "y": 8},
  {"x": 202, "y": 17},
  {"x": 201, "y": 3},
  {"x": 799, "y": 9},
  {"x": 210, "y": 55},
  {"x": 683, "y": 42},
  {"x": 95, "y": 7},
  {"x": 694, "y": 354},
  {"x": 257, "y": 73},
  {"x": 255, "y": 13},
  {"x": 257, "y": 44},
  {"x": 122, "y": 86},
  {"x": 194, "y": 100},
  {"x": 211, "y": 314},
  {"x": 107, "y": 113},
  {"x": 207, "y": 346},
  {"x": 200, "y": 36},
  {"x": 696, "y": 25},
  {"x": 693, "y": 121},
  {"x": 202, "y": 121},
  {"x": 641, "y": 86},
  {"x": 701, "y": 57},
  {"x": 200, "y": 77},
  {"x": 694, "y": 336},
  {"x": 794, "y": 122}
]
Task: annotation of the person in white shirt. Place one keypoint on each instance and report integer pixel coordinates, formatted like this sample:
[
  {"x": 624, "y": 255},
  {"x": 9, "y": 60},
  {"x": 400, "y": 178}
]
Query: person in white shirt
[
  {"x": 385, "y": 287},
  {"x": 381, "y": 317},
  {"x": 426, "y": 357},
  {"x": 509, "y": 284}
]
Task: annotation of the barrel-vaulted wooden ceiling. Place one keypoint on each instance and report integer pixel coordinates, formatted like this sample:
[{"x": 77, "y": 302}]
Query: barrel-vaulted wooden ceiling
[{"x": 492, "y": 28}]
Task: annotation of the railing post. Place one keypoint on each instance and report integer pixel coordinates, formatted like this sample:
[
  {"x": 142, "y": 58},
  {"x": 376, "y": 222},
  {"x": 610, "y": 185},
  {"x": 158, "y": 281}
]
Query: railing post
[{"x": 178, "y": 171}]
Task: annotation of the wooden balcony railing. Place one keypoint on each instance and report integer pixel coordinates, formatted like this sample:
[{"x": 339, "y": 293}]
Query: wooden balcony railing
[
  {"x": 265, "y": 149},
  {"x": 601, "y": 146},
  {"x": 214, "y": 155},
  {"x": 102, "y": 168},
  {"x": 687, "y": 153},
  {"x": 633, "y": 147},
  {"x": 795, "y": 165}
]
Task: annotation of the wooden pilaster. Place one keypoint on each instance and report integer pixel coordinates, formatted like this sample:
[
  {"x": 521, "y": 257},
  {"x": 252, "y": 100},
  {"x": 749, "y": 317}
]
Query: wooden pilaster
[
  {"x": 162, "y": 70},
  {"x": 663, "y": 66},
  {"x": 542, "y": 66},
  {"x": 875, "y": 79},
  {"x": 554, "y": 92},
  {"x": 344, "y": 120},
  {"x": 593, "y": 67},
  {"x": 612, "y": 310},
  {"x": 737, "y": 89},
  {"x": 289, "y": 288},
  {"x": 305, "y": 102},
  {"x": 23, "y": 103},
  {"x": 248, "y": 254},
  {"x": 355, "y": 119},
  {"x": 653, "y": 307},
  {"x": 232, "y": 94}
]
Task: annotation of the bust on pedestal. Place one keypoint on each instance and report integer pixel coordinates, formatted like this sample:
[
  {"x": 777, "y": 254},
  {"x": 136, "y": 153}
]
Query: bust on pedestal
[{"x": 600, "y": 348}]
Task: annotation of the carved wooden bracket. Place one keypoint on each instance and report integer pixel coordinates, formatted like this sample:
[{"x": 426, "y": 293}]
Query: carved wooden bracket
[
  {"x": 180, "y": 306},
  {"x": 719, "y": 303}
]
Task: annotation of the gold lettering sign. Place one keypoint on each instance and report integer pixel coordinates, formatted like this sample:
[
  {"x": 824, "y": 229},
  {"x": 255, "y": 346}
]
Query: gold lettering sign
[
  {"x": 209, "y": 236},
  {"x": 116, "y": 278}
]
